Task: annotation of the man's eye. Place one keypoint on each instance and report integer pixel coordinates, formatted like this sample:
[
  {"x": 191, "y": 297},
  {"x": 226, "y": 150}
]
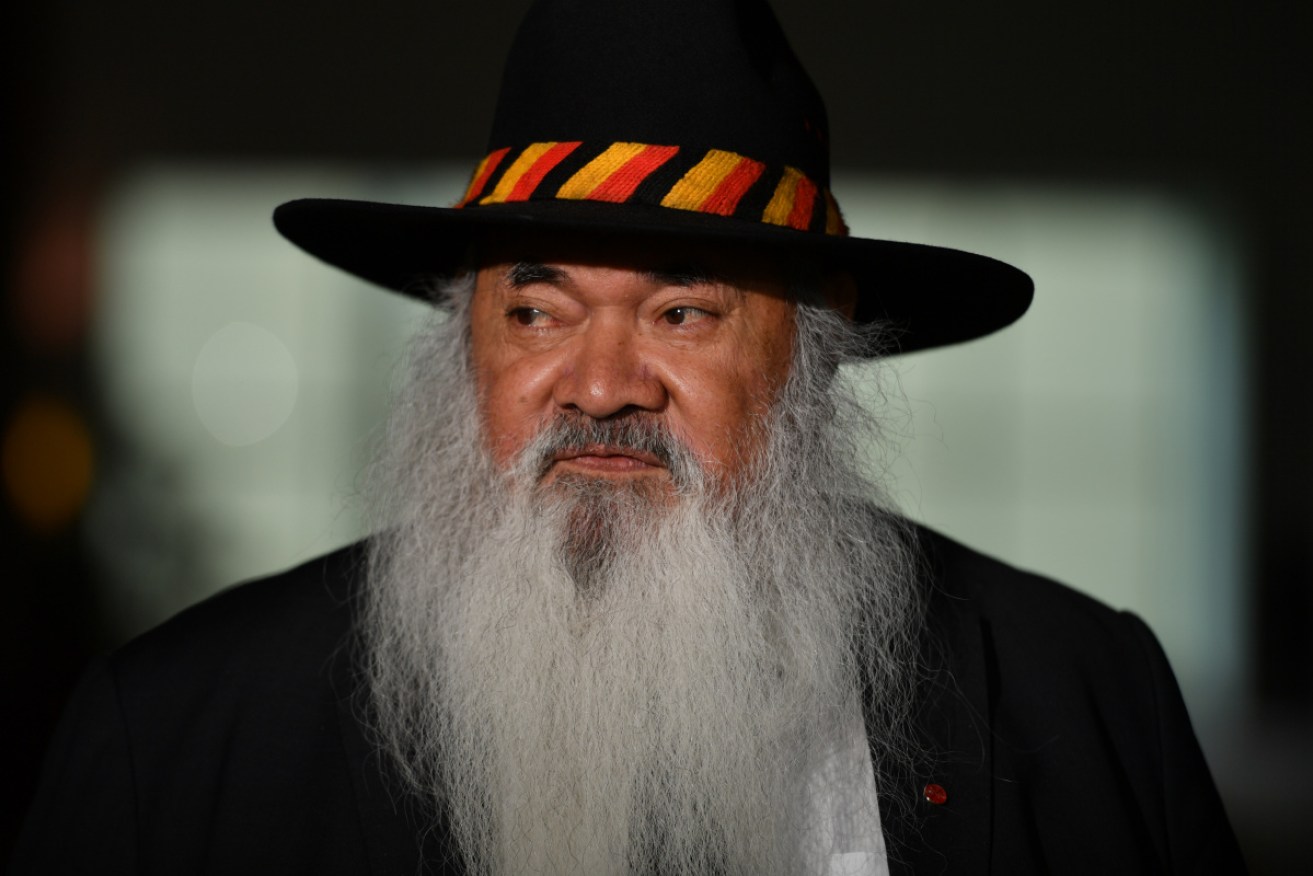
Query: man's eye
[
  {"x": 684, "y": 315},
  {"x": 530, "y": 316}
]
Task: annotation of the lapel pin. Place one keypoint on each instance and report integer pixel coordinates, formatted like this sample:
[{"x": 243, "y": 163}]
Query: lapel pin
[{"x": 935, "y": 794}]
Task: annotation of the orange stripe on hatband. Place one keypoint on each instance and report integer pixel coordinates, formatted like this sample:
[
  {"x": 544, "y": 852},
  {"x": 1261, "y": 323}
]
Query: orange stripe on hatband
[
  {"x": 700, "y": 183},
  {"x": 524, "y": 189},
  {"x": 481, "y": 174},
  {"x": 635, "y": 167},
  {"x": 781, "y": 203},
  {"x": 725, "y": 199},
  {"x": 580, "y": 186},
  {"x": 804, "y": 200},
  {"x": 518, "y": 167},
  {"x": 834, "y": 223},
  {"x": 524, "y": 174}
]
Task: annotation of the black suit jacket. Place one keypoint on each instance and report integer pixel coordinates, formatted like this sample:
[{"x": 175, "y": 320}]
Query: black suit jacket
[{"x": 229, "y": 740}]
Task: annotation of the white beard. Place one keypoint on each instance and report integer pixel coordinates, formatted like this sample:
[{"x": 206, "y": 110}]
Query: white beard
[{"x": 648, "y": 697}]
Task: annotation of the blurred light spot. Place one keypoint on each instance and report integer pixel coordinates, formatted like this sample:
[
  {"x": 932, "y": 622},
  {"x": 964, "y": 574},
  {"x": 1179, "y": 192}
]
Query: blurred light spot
[
  {"x": 54, "y": 271},
  {"x": 47, "y": 461},
  {"x": 244, "y": 384}
]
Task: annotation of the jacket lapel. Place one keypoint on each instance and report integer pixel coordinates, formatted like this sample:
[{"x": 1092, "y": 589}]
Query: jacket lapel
[{"x": 951, "y": 832}]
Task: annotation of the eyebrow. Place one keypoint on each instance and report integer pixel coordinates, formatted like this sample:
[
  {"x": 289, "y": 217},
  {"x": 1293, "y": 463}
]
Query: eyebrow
[
  {"x": 683, "y": 275},
  {"x": 527, "y": 273}
]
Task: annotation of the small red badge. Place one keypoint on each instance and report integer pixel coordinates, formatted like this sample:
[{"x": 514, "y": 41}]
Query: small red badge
[{"x": 935, "y": 794}]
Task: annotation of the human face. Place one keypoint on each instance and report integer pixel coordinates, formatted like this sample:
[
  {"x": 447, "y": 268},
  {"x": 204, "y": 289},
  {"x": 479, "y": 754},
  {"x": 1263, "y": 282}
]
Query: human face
[{"x": 695, "y": 336}]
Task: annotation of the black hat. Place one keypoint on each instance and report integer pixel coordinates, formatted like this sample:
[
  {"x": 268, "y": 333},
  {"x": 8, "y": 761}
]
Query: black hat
[{"x": 683, "y": 118}]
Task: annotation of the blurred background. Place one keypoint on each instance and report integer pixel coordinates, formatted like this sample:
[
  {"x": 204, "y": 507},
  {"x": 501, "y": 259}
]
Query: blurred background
[{"x": 186, "y": 400}]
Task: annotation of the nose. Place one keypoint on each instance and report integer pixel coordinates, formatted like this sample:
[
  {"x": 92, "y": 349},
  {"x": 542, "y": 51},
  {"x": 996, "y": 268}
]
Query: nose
[{"x": 607, "y": 374}]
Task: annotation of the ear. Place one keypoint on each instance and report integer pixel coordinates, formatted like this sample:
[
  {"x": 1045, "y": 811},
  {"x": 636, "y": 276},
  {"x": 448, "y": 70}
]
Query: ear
[{"x": 840, "y": 293}]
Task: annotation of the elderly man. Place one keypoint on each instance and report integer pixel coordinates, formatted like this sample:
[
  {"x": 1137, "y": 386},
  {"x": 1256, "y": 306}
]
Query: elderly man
[{"x": 634, "y": 606}]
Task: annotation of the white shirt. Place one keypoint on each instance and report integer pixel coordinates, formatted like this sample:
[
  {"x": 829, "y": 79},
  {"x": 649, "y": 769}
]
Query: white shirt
[{"x": 840, "y": 816}]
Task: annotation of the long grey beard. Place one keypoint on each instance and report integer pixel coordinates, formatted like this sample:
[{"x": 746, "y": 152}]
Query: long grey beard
[{"x": 595, "y": 679}]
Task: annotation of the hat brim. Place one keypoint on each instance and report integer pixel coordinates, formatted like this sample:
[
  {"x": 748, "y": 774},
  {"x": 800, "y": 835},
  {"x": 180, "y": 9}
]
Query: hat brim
[{"x": 932, "y": 296}]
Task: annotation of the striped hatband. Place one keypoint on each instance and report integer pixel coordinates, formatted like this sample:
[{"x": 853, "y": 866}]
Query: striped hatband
[{"x": 711, "y": 181}]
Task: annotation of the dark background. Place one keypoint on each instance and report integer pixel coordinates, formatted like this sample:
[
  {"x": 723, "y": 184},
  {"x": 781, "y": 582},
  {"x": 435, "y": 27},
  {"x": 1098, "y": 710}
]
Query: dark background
[{"x": 1210, "y": 101}]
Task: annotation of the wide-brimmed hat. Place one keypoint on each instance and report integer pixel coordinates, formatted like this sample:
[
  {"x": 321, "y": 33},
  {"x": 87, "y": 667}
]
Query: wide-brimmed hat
[{"x": 677, "y": 118}]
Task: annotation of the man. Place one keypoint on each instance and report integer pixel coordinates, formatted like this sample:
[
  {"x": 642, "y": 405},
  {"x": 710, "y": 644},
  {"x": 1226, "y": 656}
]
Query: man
[{"x": 633, "y": 605}]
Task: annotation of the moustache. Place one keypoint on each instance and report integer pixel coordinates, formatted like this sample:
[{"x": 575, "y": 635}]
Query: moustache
[{"x": 634, "y": 435}]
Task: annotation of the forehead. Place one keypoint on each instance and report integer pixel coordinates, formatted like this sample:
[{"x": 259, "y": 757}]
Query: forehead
[{"x": 738, "y": 265}]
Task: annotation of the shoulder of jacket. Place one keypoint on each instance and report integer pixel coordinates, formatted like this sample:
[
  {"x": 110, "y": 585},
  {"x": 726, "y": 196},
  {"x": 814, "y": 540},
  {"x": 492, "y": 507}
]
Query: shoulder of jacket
[
  {"x": 1029, "y": 611},
  {"x": 269, "y": 621}
]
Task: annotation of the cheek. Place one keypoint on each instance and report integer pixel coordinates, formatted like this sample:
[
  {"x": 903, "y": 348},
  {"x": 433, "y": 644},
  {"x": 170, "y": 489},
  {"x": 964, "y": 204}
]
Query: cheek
[
  {"x": 722, "y": 412},
  {"x": 510, "y": 390},
  {"x": 512, "y": 398},
  {"x": 727, "y": 418}
]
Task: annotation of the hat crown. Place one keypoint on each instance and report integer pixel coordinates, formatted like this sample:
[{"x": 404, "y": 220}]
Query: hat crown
[{"x": 716, "y": 74}]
